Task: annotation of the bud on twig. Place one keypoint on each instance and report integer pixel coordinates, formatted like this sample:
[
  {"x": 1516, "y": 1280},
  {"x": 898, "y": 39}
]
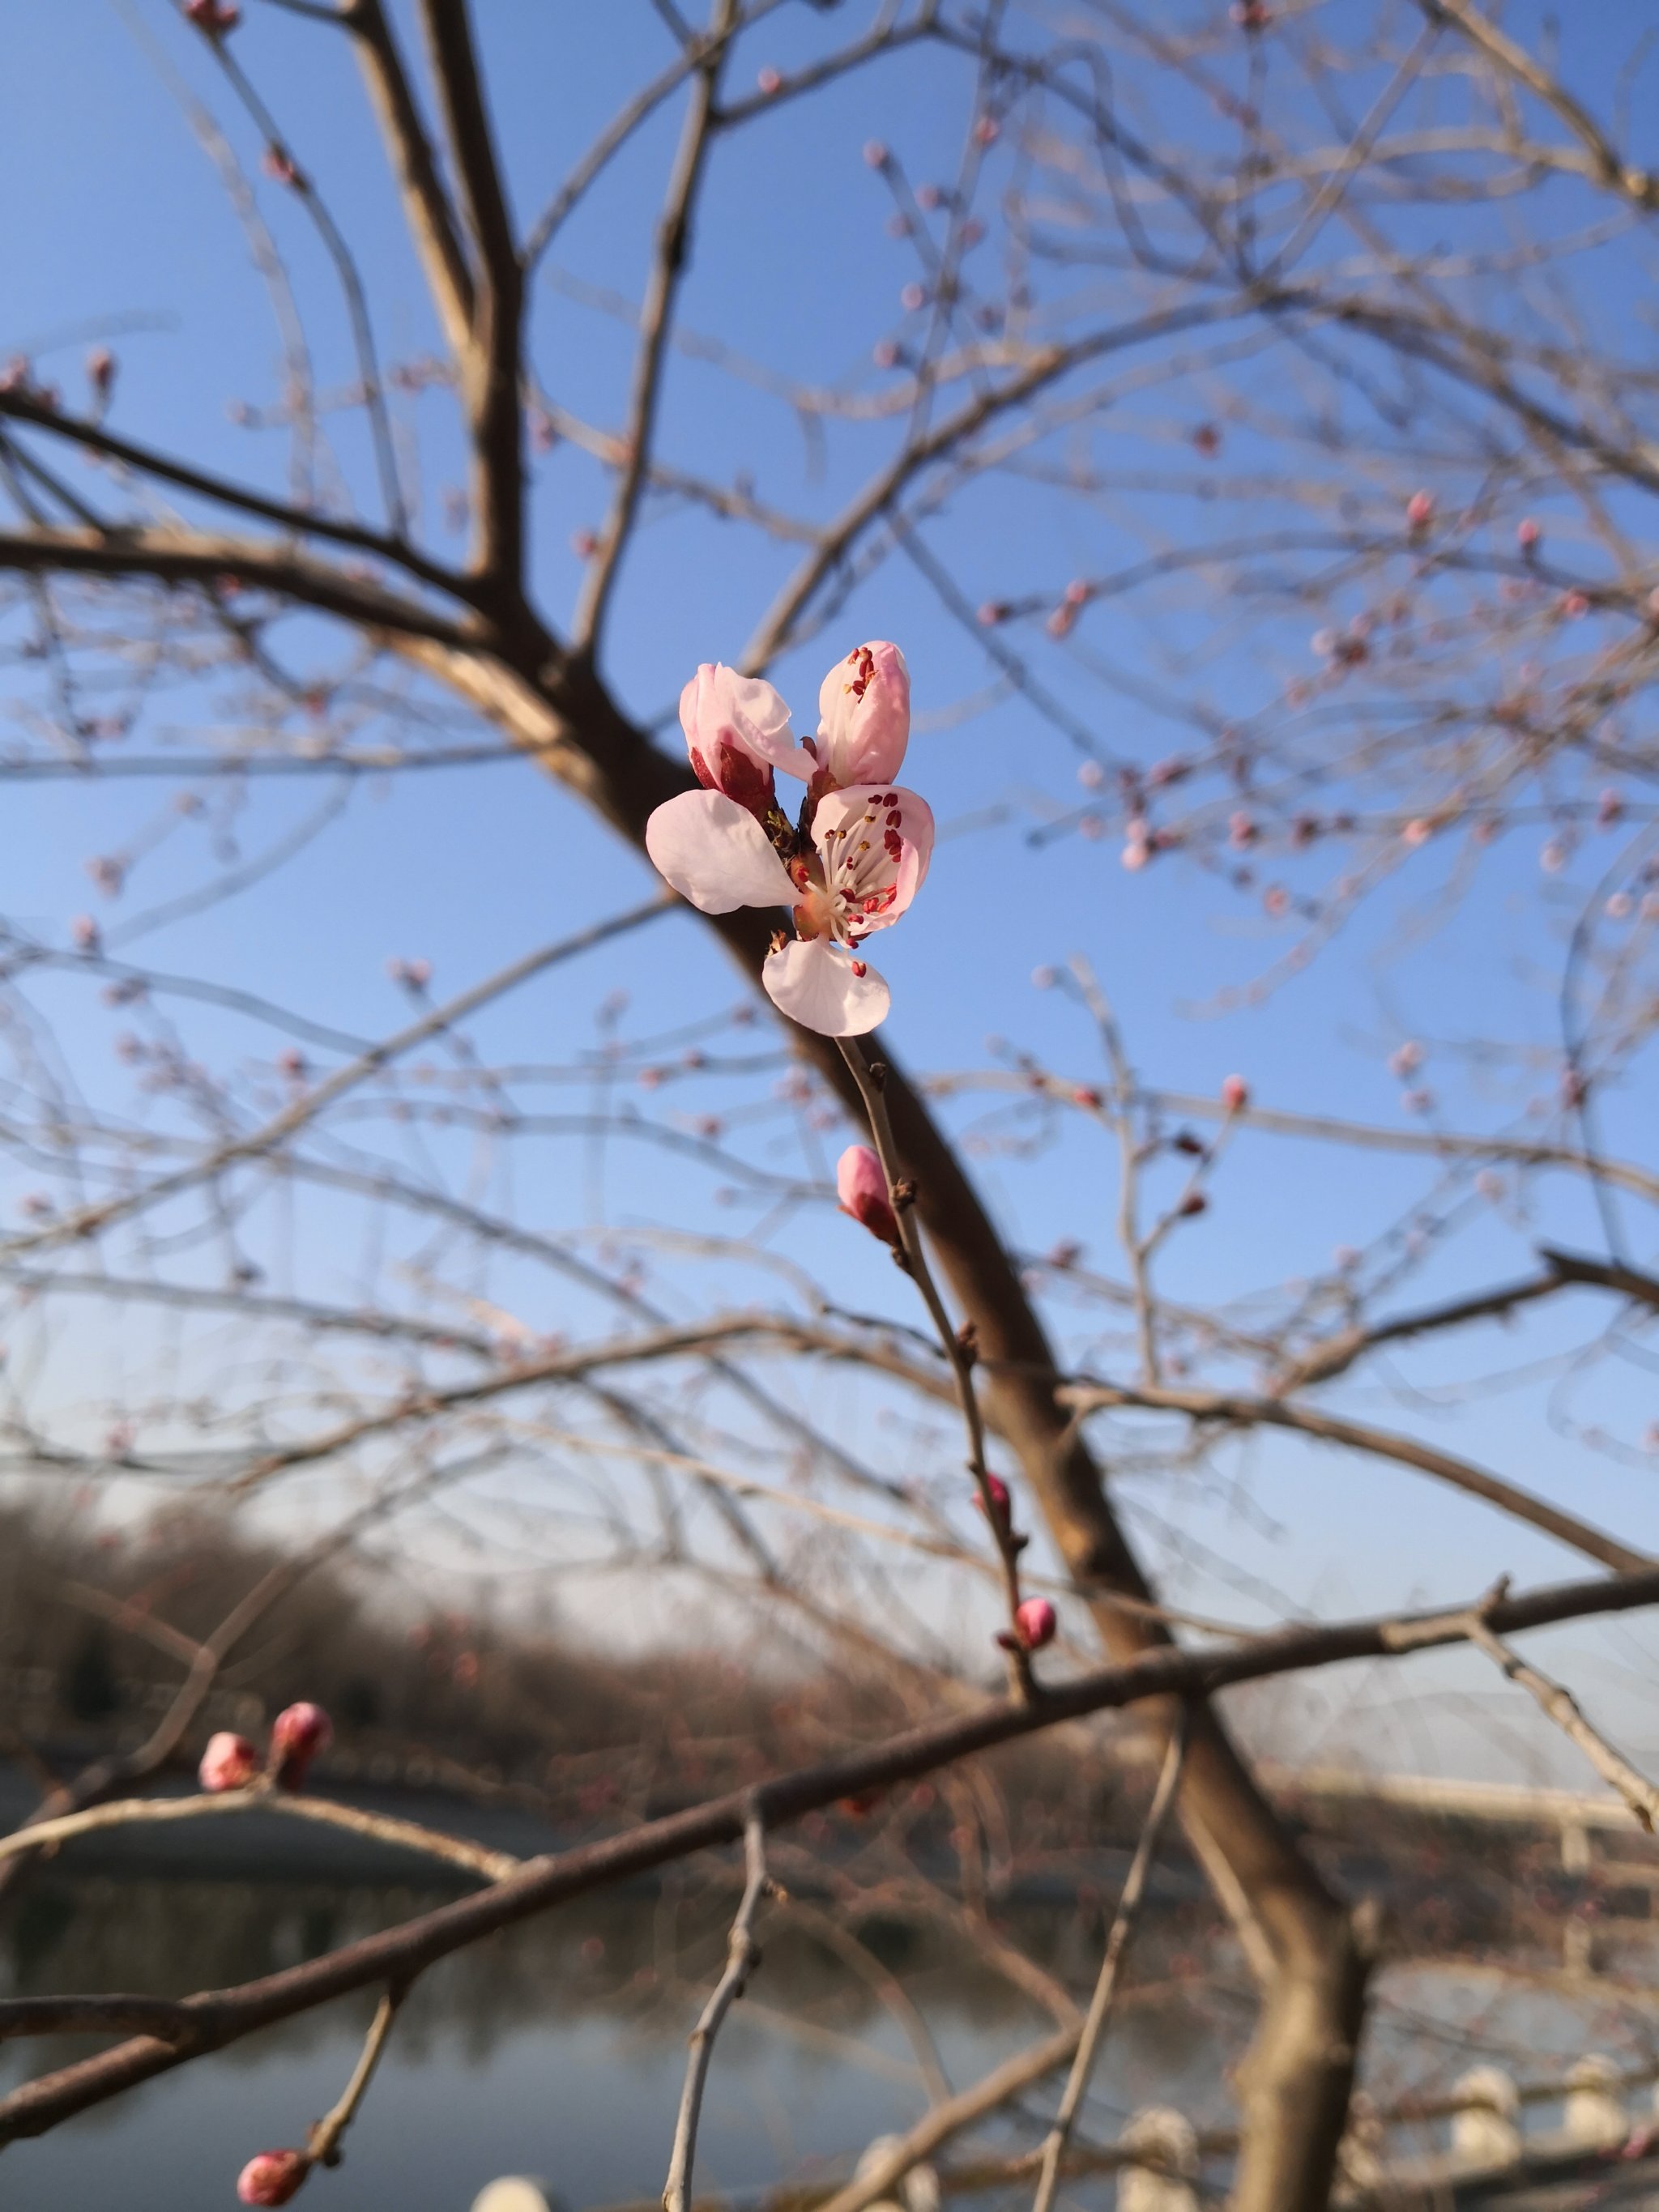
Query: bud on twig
[
  {"x": 271, "y": 2177},
  {"x": 230, "y": 1762},
  {"x": 861, "y": 1185},
  {"x": 297, "y": 1735}
]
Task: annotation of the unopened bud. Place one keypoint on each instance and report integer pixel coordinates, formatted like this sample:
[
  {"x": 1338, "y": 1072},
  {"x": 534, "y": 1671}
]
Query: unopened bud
[
  {"x": 1001, "y": 1505},
  {"x": 1420, "y": 509},
  {"x": 1035, "y": 1623},
  {"x": 861, "y": 1186},
  {"x": 1235, "y": 1094},
  {"x": 230, "y": 1762},
  {"x": 271, "y": 2177},
  {"x": 298, "y": 1734}
]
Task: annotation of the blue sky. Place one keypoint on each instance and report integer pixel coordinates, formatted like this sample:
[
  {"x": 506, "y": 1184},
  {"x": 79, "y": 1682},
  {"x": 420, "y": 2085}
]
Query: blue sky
[{"x": 130, "y": 241}]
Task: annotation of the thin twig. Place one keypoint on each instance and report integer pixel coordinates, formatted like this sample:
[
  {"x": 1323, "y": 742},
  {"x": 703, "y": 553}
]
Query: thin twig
[
  {"x": 870, "y": 1075},
  {"x": 1117, "y": 1944},
  {"x": 674, "y": 242},
  {"x": 1563, "y": 1708},
  {"x": 323, "y": 2147},
  {"x": 741, "y": 1957},
  {"x": 378, "y": 1827}
]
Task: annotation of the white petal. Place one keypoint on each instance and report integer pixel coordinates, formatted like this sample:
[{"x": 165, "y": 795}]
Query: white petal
[
  {"x": 716, "y": 854},
  {"x": 822, "y": 987}
]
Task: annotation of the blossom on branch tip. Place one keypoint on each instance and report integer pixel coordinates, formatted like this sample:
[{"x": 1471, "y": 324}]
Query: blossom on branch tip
[
  {"x": 1235, "y": 1094},
  {"x": 230, "y": 1762},
  {"x": 1035, "y": 1623},
  {"x": 861, "y": 1186},
  {"x": 852, "y": 864},
  {"x": 298, "y": 1734},
  {"x": 271, "y": 2177}
]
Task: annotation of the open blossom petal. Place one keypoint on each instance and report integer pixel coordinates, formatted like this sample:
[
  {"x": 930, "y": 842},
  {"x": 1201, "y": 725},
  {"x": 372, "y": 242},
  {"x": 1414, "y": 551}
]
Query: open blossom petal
[
  {"x": 716, "y": 854},
  {"x": 825, "y": 988},
  {"x": 875, "y": 841},
  {"x": 864, "y": 715},
  {"x": 737, "y": 732}
]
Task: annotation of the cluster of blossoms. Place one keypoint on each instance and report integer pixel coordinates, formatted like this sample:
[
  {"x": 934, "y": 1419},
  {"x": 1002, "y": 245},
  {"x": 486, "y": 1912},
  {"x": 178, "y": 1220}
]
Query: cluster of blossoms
[
  {"x": 298, "y": 1734},
  {"x": 851, "y": 862}
]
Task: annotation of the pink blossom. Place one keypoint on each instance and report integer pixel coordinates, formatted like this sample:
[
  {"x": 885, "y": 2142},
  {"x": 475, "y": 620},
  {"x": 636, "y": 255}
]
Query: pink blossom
[
  {"x": 101, "y": 371},
  {"x": 1135, "y": 855},
  {"x": 230, "y": 1762},
  {"x": 737, "y": 733},
  {"x": 1528, "y": 533},
  {"x": 991, "y": 613},
  {"x": 1235, "y": 1094},
  {"x": 864, "y": 716},
  {"x": 271, "y": 2177},
  {"x": 864, "y": 860},
  {"x": 298, "y": 1734},
  {"x": 1609, "y": 807},
  {"x": 1035, "y": 1623},
  {"x": 86, "y": 932},
  {"x": 1420, "y": 509},
  {"x": 876, "y": 155},
  {"x": 1574, "y": 605},
  {"x": 861, "y": 1185},
  {"x": 912, "y": 298},
  {"x": 1418, "y": 831},
  {"x": 770, "y": 81},
  {"x": 987, "y": 130}
]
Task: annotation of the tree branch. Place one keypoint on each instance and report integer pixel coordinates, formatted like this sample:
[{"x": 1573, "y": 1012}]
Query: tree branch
[{"x": 223, "y": 2017}]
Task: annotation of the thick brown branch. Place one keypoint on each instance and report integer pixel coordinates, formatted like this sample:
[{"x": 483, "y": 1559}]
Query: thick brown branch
[{"x": 220, "y": 2018}]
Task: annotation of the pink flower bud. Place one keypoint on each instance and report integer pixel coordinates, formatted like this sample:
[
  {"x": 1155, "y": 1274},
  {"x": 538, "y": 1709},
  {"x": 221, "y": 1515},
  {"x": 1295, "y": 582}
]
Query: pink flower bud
[
  {"x": 1035, "y": 1623},
  {"x": 769, "y": 80},
  {"x": 1528, "y": 533},
  {"x": 864, "y": 715},
  {"x": 1418, "y": 831},
  {"x": 213, "y": 17},
  {"x": 987, "y": 131},
  {"x": 912, "y": 298},
  {"x": 1420, "y": 509},
  {"x": 1609, "y": 807},
  {"x": 737, "y": 733},
  {"x": 1235, "y": 1094},
  {"x": 992, "y": 613},
  {"x": 1001, "y": 1504},
  {"x": 85, "y": 932},
  {"x": 1574, "y": 605},
  {"x": 230, "y": 1762},
  {"x": 876, "y": 156},
  {"x": 278, "y": 164},
  {"x": 297, "y": 1735},
  {"x": 271, "y": 2177},
  {"x": 861, "y": 1185},
  {"x": 101, "y": 371}
]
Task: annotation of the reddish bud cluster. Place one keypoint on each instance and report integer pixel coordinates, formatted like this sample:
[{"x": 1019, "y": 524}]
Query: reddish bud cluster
[{"x": 299, "y": 1734}]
